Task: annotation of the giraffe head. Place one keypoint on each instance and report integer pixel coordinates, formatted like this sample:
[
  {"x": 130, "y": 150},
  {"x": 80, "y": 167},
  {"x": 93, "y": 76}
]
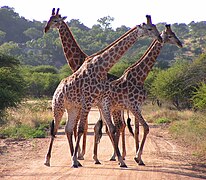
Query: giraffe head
[
  {"x": 54, "y": 21},
  {"x": 168, "y": 36},
  {"x": 150, "y": 29}
]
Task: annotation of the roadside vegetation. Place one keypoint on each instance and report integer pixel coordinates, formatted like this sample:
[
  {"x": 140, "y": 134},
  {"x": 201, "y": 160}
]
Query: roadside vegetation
[{"x": 187, "y": 127}]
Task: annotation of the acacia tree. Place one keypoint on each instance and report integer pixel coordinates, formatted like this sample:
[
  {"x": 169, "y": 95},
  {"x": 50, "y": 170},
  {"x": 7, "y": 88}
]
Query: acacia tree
[{"x": 168, "y": 85}]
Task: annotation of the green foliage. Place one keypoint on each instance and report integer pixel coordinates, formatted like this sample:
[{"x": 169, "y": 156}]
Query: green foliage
[
  {"x": 11, "y": 83},
  {"x": 167, "y": 85},
  {"x": 119, "y": 68},
  {"x": 25, "y": 40},
  {"x": 13, "y": 25},
  {"x": 10, "y": 48},
  {"x": 41, "y": 81},
  {"x": 24, "y": 131},
  {"x": 162, "y": 120},
  {"x": 45, "y": 69},
  {"x": 42, "y": 84},
  {"x": 33, "y": 33},
  {"x": 105, "y": 22},
  {"x": 199, "y": 98},
  {"x": 65, "y": 71}
]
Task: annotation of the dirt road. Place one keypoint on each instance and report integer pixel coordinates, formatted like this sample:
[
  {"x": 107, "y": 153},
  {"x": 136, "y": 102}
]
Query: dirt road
[{"x": 163, "y": 159}]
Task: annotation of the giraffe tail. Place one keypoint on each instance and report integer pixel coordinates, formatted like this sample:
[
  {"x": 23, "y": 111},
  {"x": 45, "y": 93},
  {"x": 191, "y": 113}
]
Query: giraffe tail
[
  {"x": 52, "y": 129},
  {"x": 129, "y": 125}
]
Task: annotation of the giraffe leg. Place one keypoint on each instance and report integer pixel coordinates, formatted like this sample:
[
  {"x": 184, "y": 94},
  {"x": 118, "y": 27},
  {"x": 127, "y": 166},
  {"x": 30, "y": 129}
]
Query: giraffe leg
[
  {"x": 107, "y": 117},
  {"x": 71, "y": 125},
  {"x": 53, "y": 132},
  {"x": 75, "y": 137},
  {"x": 118, "y": 117},
  {"x": 97, "y": 137},
  {"x": 83, "y": 120},
  {"x": 81, "y": 154},
  {"x": 138, "y": 157},
  {"x": 136, "y": 136},
  {"x": 123, "y": 143},
  {"x": 140, "y": 119},
  {"x": 54, "y": 128},
  {"x": 113, "y": 158},
  {"x": 122, "y": 129},
  {"x": 48, "y": 156}
]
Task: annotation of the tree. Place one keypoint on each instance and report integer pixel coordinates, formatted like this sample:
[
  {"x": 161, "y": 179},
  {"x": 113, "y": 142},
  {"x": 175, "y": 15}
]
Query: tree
[
  {"x": 2, "y": 36},
  {"x": 11, "y": 83},
  {"x": 33, "y": 33},
  {"x": 105, "y": 22},
  {"x": 168, "y": 84},
  {"x": 41, "y": 80}
]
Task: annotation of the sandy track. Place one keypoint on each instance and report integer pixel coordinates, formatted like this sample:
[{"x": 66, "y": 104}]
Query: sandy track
[{"x": 163, "y": 159}]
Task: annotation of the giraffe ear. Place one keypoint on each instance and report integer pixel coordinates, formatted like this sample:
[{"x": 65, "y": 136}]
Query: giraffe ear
[
  {"x": 63, "y": 18},
  {"x": 168, "y": 27}
]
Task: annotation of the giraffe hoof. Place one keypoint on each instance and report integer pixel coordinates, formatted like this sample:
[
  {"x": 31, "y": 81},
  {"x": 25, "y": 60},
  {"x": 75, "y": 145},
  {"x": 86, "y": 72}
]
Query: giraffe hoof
[
  {"x": 79, "y": 164},
  {"x": 112, "y": 159},
  {"x": 97, "y": 162},
  {"x": 74, "y": 166},
  {"x": 123, "y": 165},
  {"x": 47, "y": 164},
  {"x": 139, "y": 162}
]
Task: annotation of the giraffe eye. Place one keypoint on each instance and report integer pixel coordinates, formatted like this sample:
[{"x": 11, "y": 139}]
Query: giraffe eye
[{"x": 149, "y": 29}]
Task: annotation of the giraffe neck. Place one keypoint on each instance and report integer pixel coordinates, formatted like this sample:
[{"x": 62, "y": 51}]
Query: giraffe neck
[
  {"x": 73, "y": 53},
  {"x": 108, "y": 58},
  {"x": 138, "y": 72}
]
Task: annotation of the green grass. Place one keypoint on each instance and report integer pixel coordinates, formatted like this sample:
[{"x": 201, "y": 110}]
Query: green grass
[
  {"x": 29, "y": 120},
  {"x": 162, "y": 120},
  {"x": 24, "y": 131}
]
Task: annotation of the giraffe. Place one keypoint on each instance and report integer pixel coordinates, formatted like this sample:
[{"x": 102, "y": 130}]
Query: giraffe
[
  {"x": 75, "y": 58},
  {"x": 78, "y": 92},
  {"x": 128, "y": 91}
]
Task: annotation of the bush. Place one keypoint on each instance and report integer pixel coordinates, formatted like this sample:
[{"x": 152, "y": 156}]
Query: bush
[
  {"x": 11, "y": 83},
  {"x": 24, "y": 131},
  {"x": 199, "y": 98}
]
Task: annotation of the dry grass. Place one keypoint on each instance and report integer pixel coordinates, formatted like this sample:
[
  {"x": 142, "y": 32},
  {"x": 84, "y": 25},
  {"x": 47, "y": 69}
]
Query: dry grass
[
  {"x": 30, "y": 113},
  {"x": 187, "y": 127}
]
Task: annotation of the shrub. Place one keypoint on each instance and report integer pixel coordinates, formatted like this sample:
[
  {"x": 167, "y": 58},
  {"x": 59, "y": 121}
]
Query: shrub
[
  {"x": 11, "y": 84},
  {"x": 24, "y": 131},
  {"x": 199, "y": 98}
]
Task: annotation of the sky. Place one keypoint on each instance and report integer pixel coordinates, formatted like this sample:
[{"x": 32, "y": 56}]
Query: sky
[{"x": 128, "y": 13}]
